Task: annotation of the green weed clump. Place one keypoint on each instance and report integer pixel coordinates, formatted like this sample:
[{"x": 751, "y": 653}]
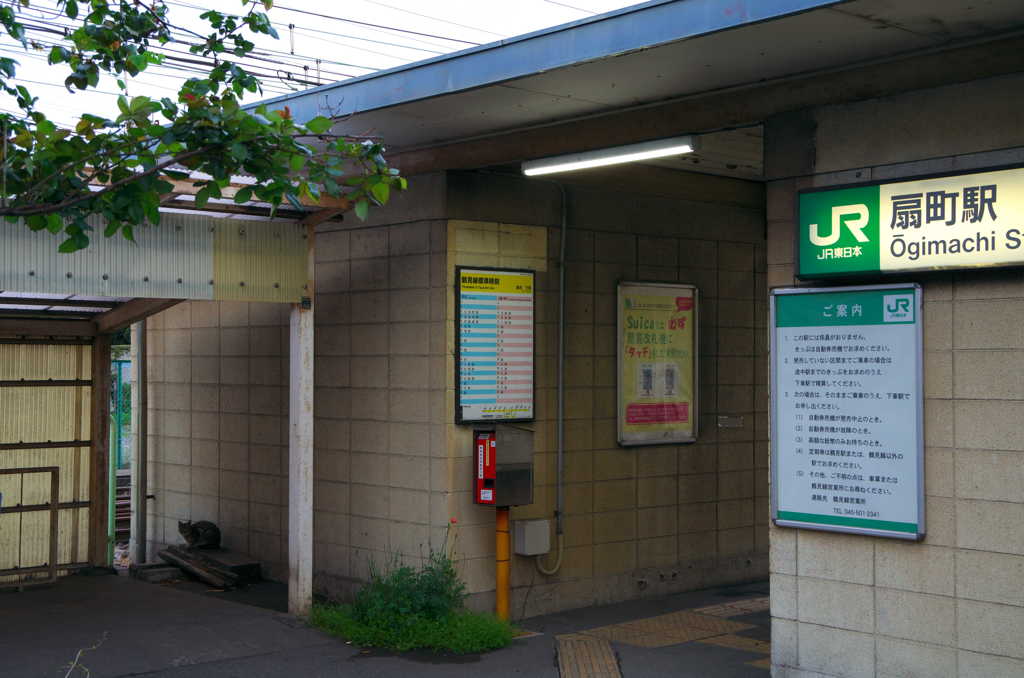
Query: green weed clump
[{"x": 402, "y": 608}]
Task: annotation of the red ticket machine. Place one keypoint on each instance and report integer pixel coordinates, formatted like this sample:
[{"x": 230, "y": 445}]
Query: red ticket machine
[{"x": 485, "y": 446}]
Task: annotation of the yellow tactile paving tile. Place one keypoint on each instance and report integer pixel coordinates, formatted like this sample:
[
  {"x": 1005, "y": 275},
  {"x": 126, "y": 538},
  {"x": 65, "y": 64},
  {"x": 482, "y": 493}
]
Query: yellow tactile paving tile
[
  {"x": 666, "y": 629},
  {"x": 736, "y": 607},
  {"x": 584, "y": 656},
  {"x": 739, "y": 643}
]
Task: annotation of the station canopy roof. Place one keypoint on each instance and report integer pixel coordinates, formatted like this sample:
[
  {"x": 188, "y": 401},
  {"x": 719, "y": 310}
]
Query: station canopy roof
[{"x": 636, "y": 57}]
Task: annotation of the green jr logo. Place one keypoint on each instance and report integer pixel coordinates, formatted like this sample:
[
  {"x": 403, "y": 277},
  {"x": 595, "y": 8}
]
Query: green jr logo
[
  {"x": 857, "y": 221},
  {"x": 838, "y": 231}
]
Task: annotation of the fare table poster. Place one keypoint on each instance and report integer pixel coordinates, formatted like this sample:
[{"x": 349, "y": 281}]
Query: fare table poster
[
  {"x": 494, "y": 345},
  {"x": 657, "y": 363},
  {"x": 847, "y": 410}
]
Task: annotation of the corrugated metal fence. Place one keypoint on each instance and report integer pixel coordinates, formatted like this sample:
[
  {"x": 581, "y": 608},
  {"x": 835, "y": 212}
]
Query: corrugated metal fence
[{"x": 45, "y": 406}]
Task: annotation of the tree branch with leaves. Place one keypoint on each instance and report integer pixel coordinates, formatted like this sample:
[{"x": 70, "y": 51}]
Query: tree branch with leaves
[{"x": 53, "y": 178}]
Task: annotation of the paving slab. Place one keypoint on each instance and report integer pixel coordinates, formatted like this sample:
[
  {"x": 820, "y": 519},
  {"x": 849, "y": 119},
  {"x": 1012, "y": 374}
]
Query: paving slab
[{"x": 178, "y": 630}]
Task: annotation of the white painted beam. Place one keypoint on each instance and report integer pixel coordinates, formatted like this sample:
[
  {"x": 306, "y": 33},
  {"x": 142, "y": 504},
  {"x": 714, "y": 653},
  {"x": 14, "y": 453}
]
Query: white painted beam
[
  {"x": 300, "y": 451},
  {"x": 140, "y": 406}
]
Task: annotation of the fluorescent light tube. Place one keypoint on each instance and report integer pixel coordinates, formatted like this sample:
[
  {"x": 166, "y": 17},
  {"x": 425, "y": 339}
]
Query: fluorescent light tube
[{"x": 645, "y": 150}]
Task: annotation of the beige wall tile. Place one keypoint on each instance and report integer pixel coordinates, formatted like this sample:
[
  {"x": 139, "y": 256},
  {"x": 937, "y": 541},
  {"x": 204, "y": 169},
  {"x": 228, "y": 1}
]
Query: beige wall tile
[
  {"x": 907, "y": 658},
  {"x": 834, "y": 556},
  {"x": 990, "y": 628},
  {"x": 836, "y": 604},
  {"x": 902, "y": 614},
  {"x": 989, "y": 666},
  {"x": 836, "y": 652},
  {"x": 915, "y": 567},
  {"x": 990, "y": 526},
  {"x": 992, "y": 577}
]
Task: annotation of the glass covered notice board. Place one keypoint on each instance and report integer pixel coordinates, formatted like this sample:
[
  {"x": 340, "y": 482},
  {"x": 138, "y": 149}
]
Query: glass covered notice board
[
  {"x": 494, "y": 345},
  {"x": 847, "y": 410},
  {"x": 657, "y": 366}
]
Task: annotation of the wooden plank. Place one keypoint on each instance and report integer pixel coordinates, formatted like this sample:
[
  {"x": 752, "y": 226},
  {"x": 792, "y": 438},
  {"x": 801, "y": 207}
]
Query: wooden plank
[
  {"x": 48, "y": 445},
  {"x": 100, "y": 451},
  {"x": 320, "y": 216},
  {"x": 191, "y": 565},
  {"x": 30, "y": 327},
  {"x": 129, "y": 312},
  {"x": 300, "y": 449},
  {"x": 17, "y": 383},
  {"x": 231, "y": 208},
  {"x": 187, "y": 187},
  {"x": 29, "y": 508},
  {"x": 73, "y": 303}
]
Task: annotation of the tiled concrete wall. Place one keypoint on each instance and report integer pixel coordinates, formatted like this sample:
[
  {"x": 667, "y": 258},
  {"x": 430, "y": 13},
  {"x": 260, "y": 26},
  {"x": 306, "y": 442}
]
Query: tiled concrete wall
[
  {"x": 219, "y": 404},
  {"x": 645, "y": 520},
  {"x": 953, "y": 605},
  {"x": 392, "y": 469},
  {"x": 218, "y": 425}
]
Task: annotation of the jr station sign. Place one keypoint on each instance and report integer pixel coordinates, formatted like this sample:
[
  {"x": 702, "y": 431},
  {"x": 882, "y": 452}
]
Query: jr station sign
[{"x": 943, "y": 222}]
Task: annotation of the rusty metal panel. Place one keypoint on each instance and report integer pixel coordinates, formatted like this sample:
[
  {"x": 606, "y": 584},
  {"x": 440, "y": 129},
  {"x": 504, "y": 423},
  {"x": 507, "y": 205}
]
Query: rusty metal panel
[
  {"x": 188, "y": 256},
  {"x": 260, "y": 261}
]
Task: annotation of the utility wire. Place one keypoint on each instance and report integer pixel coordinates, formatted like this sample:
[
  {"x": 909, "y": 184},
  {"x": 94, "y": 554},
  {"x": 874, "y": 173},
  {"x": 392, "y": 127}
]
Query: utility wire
[
  {"x": 562, "y": 4},
  {"x": 365, "y": 23},
  {"x": 434, "y": 18}
]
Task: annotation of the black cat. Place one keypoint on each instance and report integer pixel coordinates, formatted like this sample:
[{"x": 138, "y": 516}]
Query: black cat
[{"x": 200, "y": 535}]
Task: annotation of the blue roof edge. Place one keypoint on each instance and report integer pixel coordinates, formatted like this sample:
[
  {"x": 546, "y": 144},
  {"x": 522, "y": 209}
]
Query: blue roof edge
[{"x": 620, "y": 31}]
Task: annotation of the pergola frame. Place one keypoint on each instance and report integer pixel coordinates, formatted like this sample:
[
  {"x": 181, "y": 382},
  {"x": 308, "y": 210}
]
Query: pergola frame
[{"x": 93, "y": 320}]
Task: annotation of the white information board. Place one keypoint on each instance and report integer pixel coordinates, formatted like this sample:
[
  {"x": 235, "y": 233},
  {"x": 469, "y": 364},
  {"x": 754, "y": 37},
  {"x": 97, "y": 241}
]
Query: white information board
[
  {"x": 847, "y": 410},
  {"x": 494, "y": 344}
]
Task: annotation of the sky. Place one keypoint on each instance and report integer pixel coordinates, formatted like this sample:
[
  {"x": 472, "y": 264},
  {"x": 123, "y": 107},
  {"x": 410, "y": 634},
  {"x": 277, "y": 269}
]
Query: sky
[{"x": 320, "y": 42}]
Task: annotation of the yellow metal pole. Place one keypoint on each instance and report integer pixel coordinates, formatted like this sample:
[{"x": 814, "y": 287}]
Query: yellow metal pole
[{"x": 503, "y": 554}]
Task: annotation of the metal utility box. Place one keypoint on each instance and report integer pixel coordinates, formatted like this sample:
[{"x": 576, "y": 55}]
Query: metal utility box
[
  {"x": 503, "y": 457},
  {"x": 531, "y": 537}
]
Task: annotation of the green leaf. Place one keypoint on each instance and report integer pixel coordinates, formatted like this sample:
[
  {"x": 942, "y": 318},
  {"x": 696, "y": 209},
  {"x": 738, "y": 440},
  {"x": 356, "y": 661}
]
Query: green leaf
[
  {"x": 203, "y": 196},
  {"x": 319, "y": 124},
  {"x": 54, "y": 224},
  {"x": 381, "y": 191},
  {"x": 71, "y": 9},
  {"x": 297, "y": 162},
  {"x": 362, "y": 208},
  {"x": 239, "y": 151},
  {"x": 244, "y": 195}
]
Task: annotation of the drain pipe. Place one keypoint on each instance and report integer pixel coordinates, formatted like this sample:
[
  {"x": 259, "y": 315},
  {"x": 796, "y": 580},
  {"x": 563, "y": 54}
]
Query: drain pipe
[{"x": 560, "y": 421}]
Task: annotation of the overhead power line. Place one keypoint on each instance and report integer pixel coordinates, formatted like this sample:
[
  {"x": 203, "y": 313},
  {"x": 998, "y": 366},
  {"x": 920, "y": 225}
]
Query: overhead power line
[
  {"x": 365, "y": 23},
  {"x": 433, "y": 18}
]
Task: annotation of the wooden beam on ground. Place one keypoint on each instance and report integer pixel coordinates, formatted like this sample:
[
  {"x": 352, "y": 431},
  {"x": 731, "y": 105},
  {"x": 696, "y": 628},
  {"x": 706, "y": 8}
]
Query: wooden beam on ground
[
  {"x": 130, "y": 312},
  {"x": 99, "y": 458},
  {"x": 46, "y": 328},
  {"x": 300, "y": 448}
]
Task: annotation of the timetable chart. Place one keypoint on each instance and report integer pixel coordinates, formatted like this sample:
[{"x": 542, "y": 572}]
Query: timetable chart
[{"x": 495, "y": 345}]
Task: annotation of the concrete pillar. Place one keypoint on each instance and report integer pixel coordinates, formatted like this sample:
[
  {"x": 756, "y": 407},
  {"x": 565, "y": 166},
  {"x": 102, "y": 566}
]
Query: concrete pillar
[
  {"x": 300, "y": 448},
  {"x": 300, "y": 463},
  {"x": 140, "y": 407}
]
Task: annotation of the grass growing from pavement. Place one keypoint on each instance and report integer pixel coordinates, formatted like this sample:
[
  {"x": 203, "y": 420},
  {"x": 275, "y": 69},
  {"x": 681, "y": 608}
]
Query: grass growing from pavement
[{"x": 404, "y": 608}]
